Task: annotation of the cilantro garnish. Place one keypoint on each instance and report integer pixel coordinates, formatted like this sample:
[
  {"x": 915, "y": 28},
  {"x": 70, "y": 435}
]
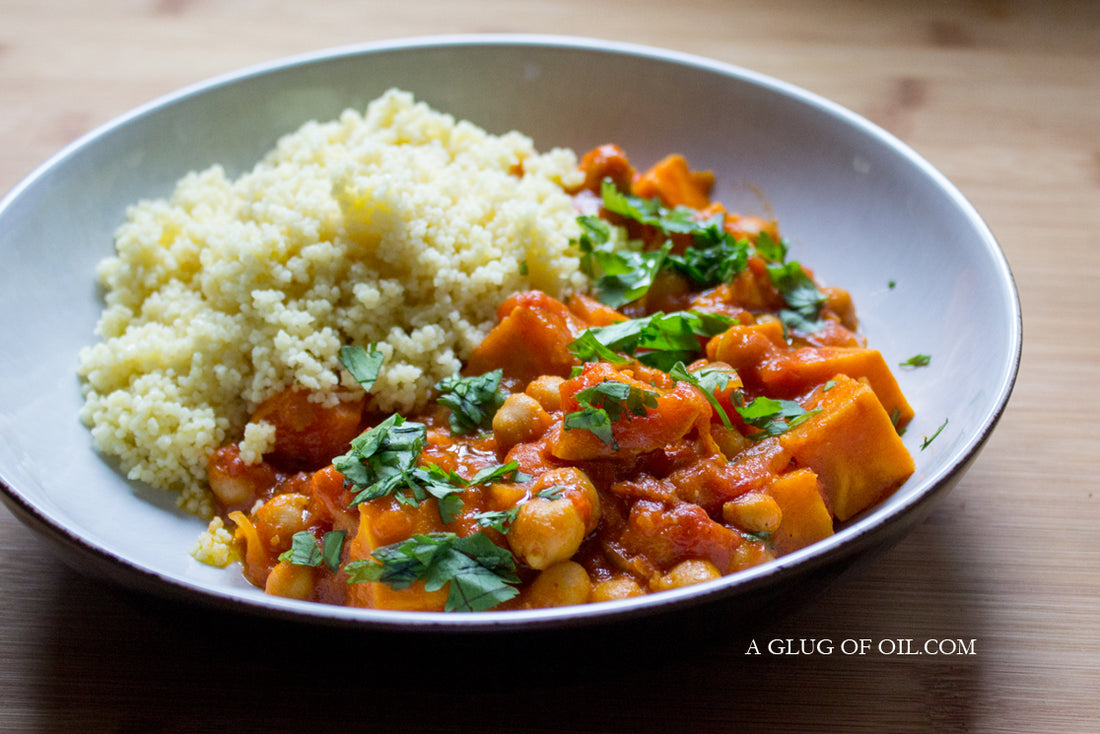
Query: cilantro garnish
[
  {"x": 380, "y": 459},
  {"x": 678, "y": 220},
  {"x": 769, "y": 248},
  {"x": 607, "y": 403},
  {"x": 481, "y": 574},
  {"x": 917, "y": 360},
  {"x": 384, "y": 462},
  {"x": 804, "y": 299},
  {"x": 708, "y": 380},
  {"x": 660, "y": 340},
  {"x": 619, "y": 276},
  {"x": 717, "y": 256},
  {"x": 929, "y": 439},
  {"x": 771, "y": 416},
  {"x": 473, "y": 400},
  {"x": 304, "y": 550},
  {"x": 363, "y": 364}
]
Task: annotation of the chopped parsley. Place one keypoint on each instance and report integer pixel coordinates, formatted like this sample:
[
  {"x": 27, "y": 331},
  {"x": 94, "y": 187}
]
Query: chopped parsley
[
  {"x": 473, "y": 401},
  {"x": 771, "y": 416},
  {"x": 660, "y": 340},
  {"x": 917, "y": 360},
  {"x": 607, "y": 403},
  {"x": 384, "y": 462},
  {"x": 380, "y": 460},
  {"x": 804, "y": 299},
  {"x": 709, "y": 380},
  {"x": 363, "y": 364},
  {"x": 481, "y": 574},
  {"x": 929, "y": 439},
  {"x": 618, "y": 276},
  {"x": 304, "y": 550}
]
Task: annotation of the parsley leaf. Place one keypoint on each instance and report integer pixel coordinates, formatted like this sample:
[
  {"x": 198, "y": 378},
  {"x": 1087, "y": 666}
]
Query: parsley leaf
[
  {"x": 332, "y": 545},
  {"x": 917, "y": 360},
  {"x": 929, "y": 439},
  {"x": 660, "y": 340},
  {"x": 771, "y": 416},
  {"x": 771, "y": 249},
  {"x": 607, "y": 403},
  {"x": 304, "y": 550},
  {"x": 678, "y": 220},
  {"x": 716, "y": 258},
  {"x": 481, "y": 574},
  {"x": 708, "y": 380},
  {"x": 804, "y": 299},
  {"x": 473, "y": 400},
  {"x": 619, "y": 276},
  {"x": 363, "y": 364},
  {"x": 381, "y": 459}
]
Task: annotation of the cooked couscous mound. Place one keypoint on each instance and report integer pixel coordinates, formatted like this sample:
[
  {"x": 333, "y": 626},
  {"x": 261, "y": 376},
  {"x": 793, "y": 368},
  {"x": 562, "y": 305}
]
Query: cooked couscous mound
[{"x": 399, "y": 227}]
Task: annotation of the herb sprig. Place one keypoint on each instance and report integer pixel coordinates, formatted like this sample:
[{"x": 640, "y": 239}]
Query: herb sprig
[
  {"x": 473, "y": 401},
  {"x": 481, "y": 574},
  {"x": 606, "y": 403}
]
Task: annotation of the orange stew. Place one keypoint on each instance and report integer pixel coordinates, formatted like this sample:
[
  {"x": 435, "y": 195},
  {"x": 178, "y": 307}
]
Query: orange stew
[{"x": 706, "y": 408}]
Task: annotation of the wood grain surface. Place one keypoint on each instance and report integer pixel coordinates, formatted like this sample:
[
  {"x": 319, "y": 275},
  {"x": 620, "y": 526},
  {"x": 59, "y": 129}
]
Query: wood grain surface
[{"x": 1002, "y": 96}]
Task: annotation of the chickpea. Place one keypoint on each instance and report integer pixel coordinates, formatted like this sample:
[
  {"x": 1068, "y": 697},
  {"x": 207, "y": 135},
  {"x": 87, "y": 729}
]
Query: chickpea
[
  {"x": 576, "y": 487},
  {"x": 619, "y": 587},
  {"x": 546, "y": 390},
  {"x": 290, "y": 581},
  {"x": 520, "y": 419},
  {"x": 686, "y": 573},
  {"x": 748, "y": 555},
  {"x": 563, "y": 584},
  {"x": 280, "y": 518},
  {"x": 546, "y": 532},
  {"x": 234, "y": 483},
  {"x": 754, "y": 512}
]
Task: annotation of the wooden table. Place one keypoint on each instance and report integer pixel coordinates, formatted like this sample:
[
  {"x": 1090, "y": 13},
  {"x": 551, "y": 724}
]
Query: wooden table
[{"x": 1002, "y": 96}]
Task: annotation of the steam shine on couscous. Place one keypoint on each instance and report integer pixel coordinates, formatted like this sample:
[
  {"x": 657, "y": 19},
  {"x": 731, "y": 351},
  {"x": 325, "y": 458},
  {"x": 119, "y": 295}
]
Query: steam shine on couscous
[{"x": 399, "y": 227}]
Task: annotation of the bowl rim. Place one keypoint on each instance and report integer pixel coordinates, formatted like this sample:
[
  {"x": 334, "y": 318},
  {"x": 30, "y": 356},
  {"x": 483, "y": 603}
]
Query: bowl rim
[{"x": 848, "y": 541}]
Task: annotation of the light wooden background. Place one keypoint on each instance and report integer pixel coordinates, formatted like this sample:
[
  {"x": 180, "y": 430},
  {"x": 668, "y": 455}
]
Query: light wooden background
[{"x": 1002, "y": 96}]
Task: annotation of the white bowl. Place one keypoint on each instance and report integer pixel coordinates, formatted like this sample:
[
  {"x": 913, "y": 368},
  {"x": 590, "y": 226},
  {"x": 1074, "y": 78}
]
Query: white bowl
[{"x": 857, "y": 205}]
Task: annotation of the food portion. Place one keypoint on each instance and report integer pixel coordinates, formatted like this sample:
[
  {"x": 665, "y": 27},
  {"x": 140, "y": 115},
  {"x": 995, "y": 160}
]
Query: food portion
[
  {"x": 400, "y": 227},
  {"x": 508, "y": 380}
]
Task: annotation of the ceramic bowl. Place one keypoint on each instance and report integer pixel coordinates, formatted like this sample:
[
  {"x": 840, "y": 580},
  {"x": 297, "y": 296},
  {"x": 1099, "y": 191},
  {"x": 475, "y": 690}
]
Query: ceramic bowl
[{"x": 865, "y": 211}]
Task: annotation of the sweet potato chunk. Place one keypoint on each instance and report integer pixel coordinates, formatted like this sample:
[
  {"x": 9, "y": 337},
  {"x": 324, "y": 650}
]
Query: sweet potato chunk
[
  {"x": 678, "y": 409},
  {"x": 531, "y": 339},
  {"x": 675, "y": 183},
  {"x": 796, "y": 371},
  {"x": 383, "y": 522},
  {"x": 851, "y": 445},
  {"x": 307, "y": 433},
  {"x": 805, "y": 517}
]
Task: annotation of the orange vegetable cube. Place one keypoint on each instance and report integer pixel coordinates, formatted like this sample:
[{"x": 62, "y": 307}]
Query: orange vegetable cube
[
  {"x": 805, "y": 517},
  {"x": 851, "y": 445},
  {"x": 675, "y": 184},
  {"x": 382, "y": 522},
  {"x": 531, "y": 339},
  {"x": 796, "y": 371}
]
